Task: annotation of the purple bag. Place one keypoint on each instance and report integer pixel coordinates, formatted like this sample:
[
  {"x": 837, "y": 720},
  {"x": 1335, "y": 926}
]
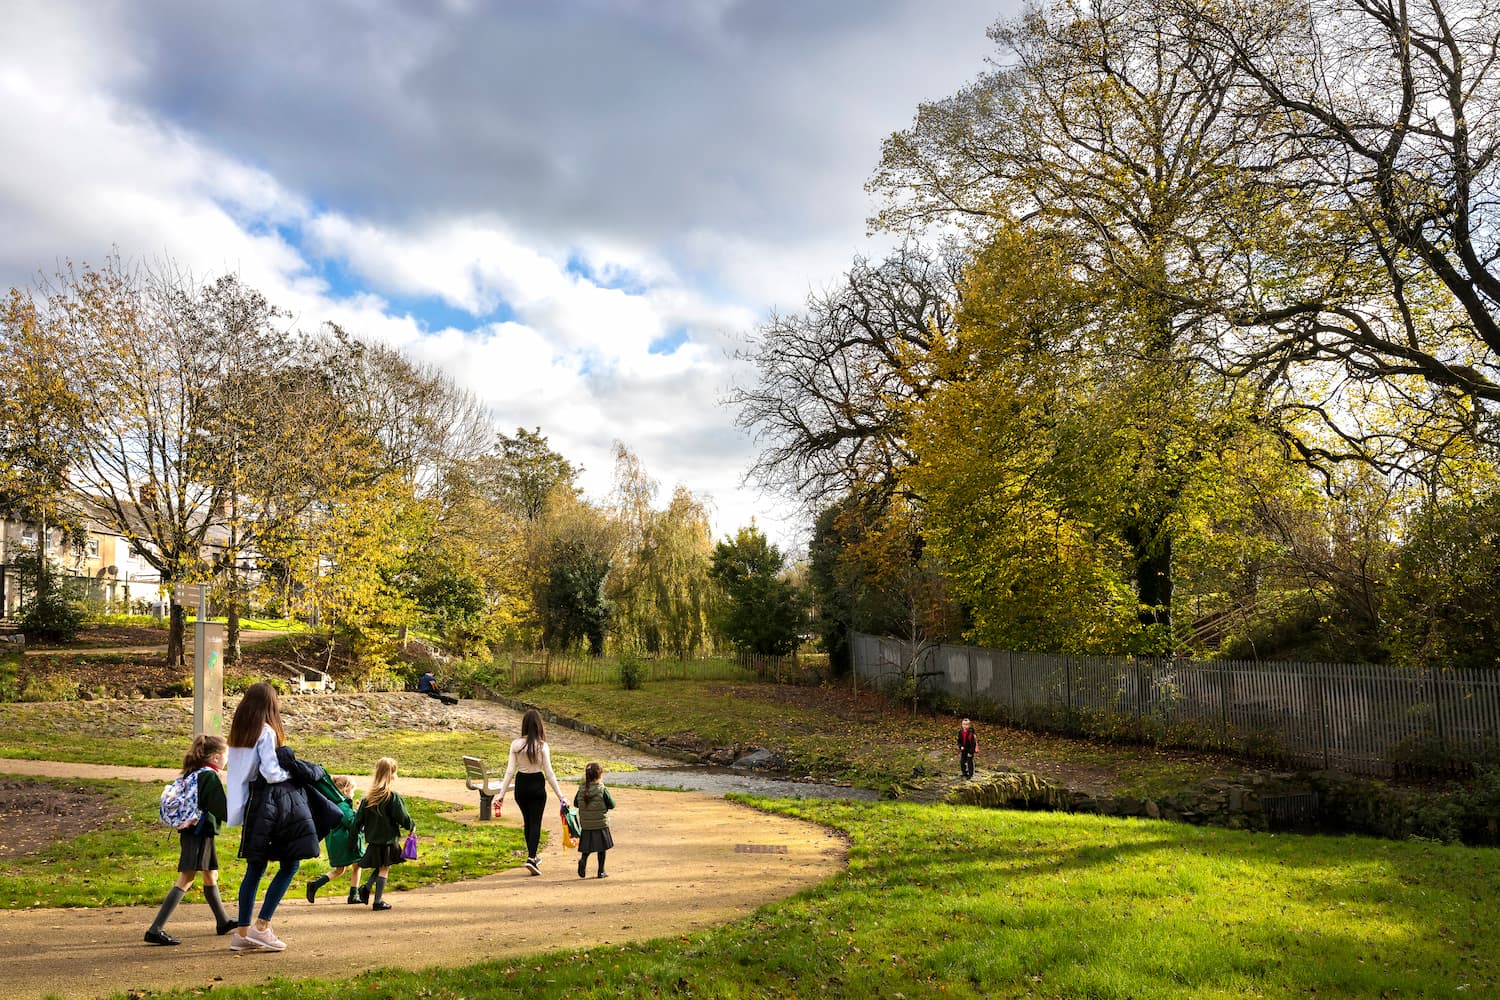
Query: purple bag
[{"x": 409, "y": 849}]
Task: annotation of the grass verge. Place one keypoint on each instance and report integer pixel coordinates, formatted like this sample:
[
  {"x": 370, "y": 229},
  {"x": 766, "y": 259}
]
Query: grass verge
[
  {"x": 131, "y": 860},
  {"x": 948, "y": 901},
  {"x": 860, "y": 738}
]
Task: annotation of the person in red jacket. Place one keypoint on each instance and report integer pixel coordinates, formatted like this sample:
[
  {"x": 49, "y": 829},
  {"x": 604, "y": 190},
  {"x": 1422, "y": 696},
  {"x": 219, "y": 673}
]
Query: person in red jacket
[{"x": 967, "y": 744}]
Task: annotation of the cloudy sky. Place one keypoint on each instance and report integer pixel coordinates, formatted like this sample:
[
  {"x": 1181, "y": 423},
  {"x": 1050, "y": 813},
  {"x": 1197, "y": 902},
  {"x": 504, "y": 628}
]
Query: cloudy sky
[{"x": 578, "y": 208}]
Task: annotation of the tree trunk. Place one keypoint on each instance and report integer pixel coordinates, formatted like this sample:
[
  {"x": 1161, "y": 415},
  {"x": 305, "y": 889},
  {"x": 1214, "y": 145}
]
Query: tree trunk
[
  {"x": 232, "y": 611},
  {"x": 177, "y": 626},
  {"x": 1153, "y": 575},
  {"x": 232, "y": 632}
]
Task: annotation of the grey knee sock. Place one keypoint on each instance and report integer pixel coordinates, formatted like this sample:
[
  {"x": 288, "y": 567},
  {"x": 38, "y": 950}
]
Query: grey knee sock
[
  {"x": 379, "y": 888},
  {"x": 174, "y": 896},
  {"x": 601, "y": 860},
  {"x": 211, "y": 893}
]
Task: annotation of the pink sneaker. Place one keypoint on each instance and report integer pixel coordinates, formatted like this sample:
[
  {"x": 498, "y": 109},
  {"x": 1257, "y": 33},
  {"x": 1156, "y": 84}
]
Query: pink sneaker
[
  {"x": 238, "y": 943},
  {"x": 266, "y": 939}
]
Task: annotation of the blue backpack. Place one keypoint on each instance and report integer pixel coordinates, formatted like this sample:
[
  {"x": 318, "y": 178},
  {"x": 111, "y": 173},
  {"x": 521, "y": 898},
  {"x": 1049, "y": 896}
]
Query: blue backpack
[{"x": 179, "y": 802}]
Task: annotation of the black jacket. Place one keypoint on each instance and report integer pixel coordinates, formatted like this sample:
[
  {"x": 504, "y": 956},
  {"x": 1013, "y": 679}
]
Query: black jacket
[{"x": 287, "y": 820}]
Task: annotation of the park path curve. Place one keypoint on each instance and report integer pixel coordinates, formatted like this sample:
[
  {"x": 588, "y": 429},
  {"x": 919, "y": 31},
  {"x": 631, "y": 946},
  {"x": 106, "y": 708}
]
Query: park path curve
[{"x": 677, "y": 869}]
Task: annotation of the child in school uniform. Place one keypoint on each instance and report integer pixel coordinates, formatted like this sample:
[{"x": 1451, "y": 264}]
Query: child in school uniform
[
  {"x": 344, "y": 844},
  {"x": 593, "y": 803},
  {"x": 382, "y": 816},
  {"x": 968, "y": 744},
  {"x": 196, "y": 851}
]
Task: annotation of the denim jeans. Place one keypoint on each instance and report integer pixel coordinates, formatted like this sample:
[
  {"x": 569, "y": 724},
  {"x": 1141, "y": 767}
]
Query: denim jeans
[{"x": 282, "y": 881}]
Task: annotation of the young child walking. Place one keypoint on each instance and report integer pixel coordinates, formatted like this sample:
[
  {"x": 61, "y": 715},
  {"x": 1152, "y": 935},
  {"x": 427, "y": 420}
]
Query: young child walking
[
  {"x": 593, "y": 802},
  {"x": 968, "y": 743},
  {"x": 381, "y": 817},
  {"x": 345, "y": 847},
  {"x": 196, "y": 852}
]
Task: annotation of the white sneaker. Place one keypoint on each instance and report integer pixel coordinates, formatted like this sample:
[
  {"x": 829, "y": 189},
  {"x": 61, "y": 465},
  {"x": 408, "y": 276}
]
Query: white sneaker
[
  {"x": 241, "y": 943},
  {"x": 266, "y": 939}
]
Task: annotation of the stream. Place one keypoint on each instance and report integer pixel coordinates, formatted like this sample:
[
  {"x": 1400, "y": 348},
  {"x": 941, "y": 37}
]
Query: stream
[{"x": 723, "y": 780}]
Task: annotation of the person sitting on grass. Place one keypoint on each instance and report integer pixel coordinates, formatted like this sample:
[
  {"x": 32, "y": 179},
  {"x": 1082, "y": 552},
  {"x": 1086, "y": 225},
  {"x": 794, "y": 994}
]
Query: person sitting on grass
[{"x": 428, "y": 685}]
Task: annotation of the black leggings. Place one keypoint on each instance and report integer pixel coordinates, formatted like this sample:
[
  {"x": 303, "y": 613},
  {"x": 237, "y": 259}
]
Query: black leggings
[{"x": 531, "y": 796}]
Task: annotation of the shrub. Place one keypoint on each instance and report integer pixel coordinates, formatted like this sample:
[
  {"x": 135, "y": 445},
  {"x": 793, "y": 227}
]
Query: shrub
[
  {"x": 54, "y": 688},
  {"x": 52, "y": 618},
  {"x": 632, "y": 670}
]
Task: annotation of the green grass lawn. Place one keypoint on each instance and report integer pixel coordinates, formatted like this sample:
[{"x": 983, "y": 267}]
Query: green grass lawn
[
  {"x": 943, "y": 901},
  {"x": 133, "y": 859},
  {"x": 831, "y": 733},
  {"x": 99, "y": 733}
]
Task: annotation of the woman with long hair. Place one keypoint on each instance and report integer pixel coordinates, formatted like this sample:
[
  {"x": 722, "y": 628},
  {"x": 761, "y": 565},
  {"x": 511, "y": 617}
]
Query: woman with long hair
[
  {"x": 530, "y": 765},
  {"x": 273, "y": 812}
]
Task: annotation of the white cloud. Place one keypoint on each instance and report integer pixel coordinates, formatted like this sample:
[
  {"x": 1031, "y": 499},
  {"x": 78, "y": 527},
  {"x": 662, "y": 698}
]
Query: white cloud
[{"x": 586, "y": 179}]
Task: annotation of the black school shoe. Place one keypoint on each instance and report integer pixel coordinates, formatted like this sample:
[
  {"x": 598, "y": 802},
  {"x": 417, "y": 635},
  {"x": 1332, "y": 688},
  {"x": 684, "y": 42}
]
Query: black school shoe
[
  {"x": 154, "y": 936},
  {"x": 225, "y": 927},
  {"x": 382, "y": 905}
]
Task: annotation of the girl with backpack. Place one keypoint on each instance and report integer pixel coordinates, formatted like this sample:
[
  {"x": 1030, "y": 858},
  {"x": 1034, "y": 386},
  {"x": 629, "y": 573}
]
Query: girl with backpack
[
  {"x": 382, "y": 816},
  {"x": 196, "y": 853},
  {"x": 594, "y": 803}
]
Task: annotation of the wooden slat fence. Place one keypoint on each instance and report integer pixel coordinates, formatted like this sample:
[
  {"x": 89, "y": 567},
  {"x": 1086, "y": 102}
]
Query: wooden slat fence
[{"x": 1352, "y": 717}]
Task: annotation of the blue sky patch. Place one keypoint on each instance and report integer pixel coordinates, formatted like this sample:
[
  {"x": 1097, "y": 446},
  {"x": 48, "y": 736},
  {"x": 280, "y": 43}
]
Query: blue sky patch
[
  {"x": 619, "y": 279},
  {"x": 668, "y": 342}
]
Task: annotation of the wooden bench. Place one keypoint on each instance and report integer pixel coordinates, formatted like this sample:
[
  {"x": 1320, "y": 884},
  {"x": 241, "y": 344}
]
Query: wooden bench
[
  {"x": 308, "y": 680},
  {"x": 484, "y": 780}
]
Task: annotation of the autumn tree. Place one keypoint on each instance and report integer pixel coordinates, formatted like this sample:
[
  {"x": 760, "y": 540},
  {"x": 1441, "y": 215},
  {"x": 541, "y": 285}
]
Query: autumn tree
[
  {"x": 1373, "y": 317},
  {"x": 635, "y": 615},
  {"x": 145, "y": 375},
  {"x": 423, "y": 421},
  {"x": 825, "y": 405},
  {"x": 523, "y": 472},
  {"x": 479, "y": 548},
  {"x": 38, "y": 446},
  {"x": 1099, "y": 132}
]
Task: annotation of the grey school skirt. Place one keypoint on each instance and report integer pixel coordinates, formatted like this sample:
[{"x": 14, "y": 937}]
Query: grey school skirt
[{"x": 196, "y": 854}]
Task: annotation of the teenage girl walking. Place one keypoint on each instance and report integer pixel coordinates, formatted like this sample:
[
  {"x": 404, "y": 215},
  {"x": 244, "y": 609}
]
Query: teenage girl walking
[
  {"x": 593, "y": 802},
  {"x": 382, "y": 816},
  {"x": 530, "y": 765},
  {"x": 278, "y": 824},
  {"x": 196, "y": 851}
]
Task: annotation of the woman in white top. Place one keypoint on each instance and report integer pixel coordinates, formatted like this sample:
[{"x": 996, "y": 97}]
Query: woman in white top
[
  {"x": 530, "y": 764},
  {"x": 254, "y": 735}
]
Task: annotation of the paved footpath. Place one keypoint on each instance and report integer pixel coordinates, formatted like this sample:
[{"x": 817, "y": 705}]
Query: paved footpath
[{"x": 676, "y": 869}]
